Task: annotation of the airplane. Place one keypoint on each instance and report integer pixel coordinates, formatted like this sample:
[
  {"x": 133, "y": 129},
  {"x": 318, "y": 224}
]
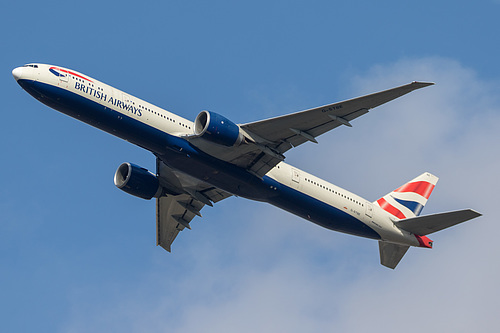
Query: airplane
[{"x": 203, "y": 162}]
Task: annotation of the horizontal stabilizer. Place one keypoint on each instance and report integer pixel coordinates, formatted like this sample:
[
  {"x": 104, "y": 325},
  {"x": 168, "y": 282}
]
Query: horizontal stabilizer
[
  {"x": 425, "y": 225},
  {"x": 391, "y": 254}
]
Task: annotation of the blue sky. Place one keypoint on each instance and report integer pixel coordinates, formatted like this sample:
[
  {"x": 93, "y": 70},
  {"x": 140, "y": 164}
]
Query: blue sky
[{"x": 78, "y": 255}]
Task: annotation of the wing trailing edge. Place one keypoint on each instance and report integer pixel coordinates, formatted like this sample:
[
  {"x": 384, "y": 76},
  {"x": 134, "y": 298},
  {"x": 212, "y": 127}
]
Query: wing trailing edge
[{"x": 183, "y": 200}]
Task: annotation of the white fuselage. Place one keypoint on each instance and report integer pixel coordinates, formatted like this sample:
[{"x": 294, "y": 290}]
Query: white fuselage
[{"x": 142, "y": 123}]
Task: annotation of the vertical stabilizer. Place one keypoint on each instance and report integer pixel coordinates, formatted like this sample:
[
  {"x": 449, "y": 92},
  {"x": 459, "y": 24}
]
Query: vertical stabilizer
[{"x": 409, "y": 199}]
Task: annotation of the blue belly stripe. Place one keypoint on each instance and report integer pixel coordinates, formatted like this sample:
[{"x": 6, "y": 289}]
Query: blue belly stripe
[{"x": 180, "y": 154}]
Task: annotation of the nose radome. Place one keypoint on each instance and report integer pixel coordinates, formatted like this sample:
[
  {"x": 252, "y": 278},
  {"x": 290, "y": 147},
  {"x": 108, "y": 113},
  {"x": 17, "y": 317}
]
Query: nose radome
[{"x": 17, "y": 72}]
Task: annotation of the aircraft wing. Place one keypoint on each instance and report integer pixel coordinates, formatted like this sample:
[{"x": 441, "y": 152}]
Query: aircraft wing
[
  {"x": 285, "y": 132},
  {"x": 267, "y": 140},
  {"x": 183, "y": 201}
]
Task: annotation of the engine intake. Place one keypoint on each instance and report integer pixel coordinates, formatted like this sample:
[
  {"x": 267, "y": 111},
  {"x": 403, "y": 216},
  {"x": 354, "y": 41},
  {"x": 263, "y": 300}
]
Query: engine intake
[
  {"x": 137, "y": 181},
  {"x": 218, "y": 129}
]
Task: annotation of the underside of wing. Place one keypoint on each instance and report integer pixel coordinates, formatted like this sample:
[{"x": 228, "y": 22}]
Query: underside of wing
[
  {"x": 266, "y": 141},
  {"x": 173, "y": 214},
  {"x": 250, "y": 155},
  {"x": 294, "y": 129},
  {"x": 183, "y": 200}
]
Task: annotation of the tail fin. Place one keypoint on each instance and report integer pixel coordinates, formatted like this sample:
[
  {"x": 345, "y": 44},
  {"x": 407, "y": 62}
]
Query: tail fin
[{"x": 409, "y": 200}]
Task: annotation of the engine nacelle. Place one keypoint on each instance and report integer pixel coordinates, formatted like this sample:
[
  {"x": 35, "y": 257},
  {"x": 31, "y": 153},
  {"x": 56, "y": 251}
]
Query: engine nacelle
[
  {"x": 218, "y": 129},
  {"x": 137, "y": 181}
]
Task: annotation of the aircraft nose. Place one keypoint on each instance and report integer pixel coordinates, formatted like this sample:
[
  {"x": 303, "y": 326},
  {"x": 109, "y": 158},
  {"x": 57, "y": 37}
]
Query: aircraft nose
[{"x": 17, "y": 72}]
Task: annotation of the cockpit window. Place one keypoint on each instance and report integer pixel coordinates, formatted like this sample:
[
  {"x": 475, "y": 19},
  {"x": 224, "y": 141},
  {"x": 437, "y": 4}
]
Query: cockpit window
[{"x": 34, "y": 66}]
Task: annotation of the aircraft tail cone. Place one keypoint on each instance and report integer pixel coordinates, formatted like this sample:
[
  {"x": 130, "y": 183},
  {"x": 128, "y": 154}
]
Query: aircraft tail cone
[{"x": 424, "y": 241}]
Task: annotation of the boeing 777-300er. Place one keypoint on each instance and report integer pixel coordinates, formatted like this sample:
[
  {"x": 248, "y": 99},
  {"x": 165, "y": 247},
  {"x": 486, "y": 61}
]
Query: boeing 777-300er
[{"x": 202, "y": 162}]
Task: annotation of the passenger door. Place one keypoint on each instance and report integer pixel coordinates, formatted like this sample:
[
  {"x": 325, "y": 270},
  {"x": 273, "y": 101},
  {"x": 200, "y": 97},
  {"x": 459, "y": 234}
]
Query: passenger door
[
  {"x": 295, "y": 178},
  {"x": 369, "y": 209}
]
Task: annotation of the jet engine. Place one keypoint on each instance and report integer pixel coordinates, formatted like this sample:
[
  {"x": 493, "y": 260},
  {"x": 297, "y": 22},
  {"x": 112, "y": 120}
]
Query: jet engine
[
  {"x": 218, "y": 129},
  {"x": 137, "y": 181}
]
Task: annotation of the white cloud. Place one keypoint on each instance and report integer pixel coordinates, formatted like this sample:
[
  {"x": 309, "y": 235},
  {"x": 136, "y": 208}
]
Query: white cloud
[{"x": 287, "y": 275}]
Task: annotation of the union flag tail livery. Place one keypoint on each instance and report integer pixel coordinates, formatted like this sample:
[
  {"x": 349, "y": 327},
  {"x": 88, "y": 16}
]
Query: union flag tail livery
[
  {"x": 202, "y": 162},
  {"x": 409, "y": 199},
  {"x": 403, "y": 206}
]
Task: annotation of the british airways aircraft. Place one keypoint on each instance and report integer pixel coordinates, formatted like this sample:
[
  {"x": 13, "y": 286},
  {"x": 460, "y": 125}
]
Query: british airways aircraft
[{"x": 202, "y": 162}]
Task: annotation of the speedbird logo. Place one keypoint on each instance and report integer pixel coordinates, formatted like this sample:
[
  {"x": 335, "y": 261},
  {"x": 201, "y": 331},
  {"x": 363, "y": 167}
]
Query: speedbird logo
[
  {"x": 55, "y": 71},
  {"x": 64, "y": 72}
]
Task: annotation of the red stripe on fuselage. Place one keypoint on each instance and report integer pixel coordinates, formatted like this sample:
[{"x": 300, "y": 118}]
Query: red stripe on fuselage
[
  {"x": 422, "y": 188},
  {"x": 390, "y": 208},
  {"x": 71, "y": 73}
]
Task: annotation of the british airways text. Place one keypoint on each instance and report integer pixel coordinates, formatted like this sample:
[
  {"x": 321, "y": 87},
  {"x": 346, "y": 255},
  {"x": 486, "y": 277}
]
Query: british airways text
[{"x": 103, "y": 97}]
